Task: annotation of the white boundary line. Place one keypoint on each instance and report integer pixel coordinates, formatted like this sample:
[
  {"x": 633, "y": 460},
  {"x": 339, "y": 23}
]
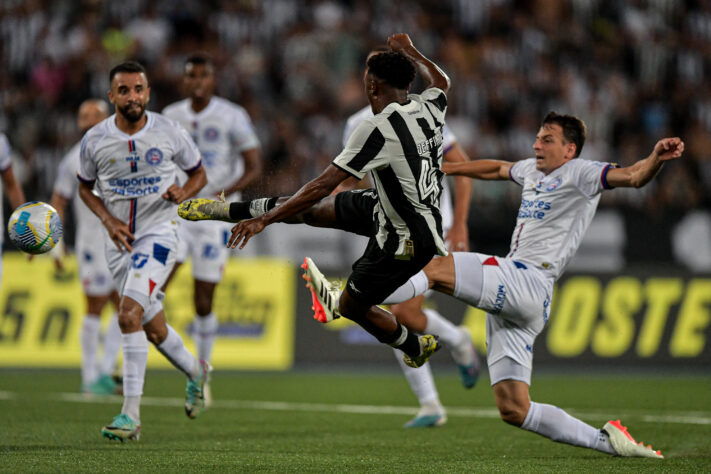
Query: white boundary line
[{"x": 695, "y": 418}]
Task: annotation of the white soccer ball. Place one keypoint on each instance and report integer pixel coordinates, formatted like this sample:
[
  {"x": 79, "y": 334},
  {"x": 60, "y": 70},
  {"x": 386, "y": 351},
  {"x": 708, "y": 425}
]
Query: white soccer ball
[{"x": 35, "y": 227}]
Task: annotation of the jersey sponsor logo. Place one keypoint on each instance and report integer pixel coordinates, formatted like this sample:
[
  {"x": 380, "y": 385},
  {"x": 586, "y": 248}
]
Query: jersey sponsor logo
[
  {"x": 138, "y": 260},
  {"x": 209, "y": 158},
  {"x": 139, "y": 186},
  {"x": 211, "y": 134},
  {"x": 154, "y": 156},
  {"x": 533, "y": 209}
]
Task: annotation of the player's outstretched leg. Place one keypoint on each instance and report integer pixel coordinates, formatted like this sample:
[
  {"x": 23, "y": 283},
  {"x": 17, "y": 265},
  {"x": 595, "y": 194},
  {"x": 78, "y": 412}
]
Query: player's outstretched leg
[
  {"x": 624, "y": 444},
  {"x": 324, "y": 294},
  {"x": 428, "y": 346}
]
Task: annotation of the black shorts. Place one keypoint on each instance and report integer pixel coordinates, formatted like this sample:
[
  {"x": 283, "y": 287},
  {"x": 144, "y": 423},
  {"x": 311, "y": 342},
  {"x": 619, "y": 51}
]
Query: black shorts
[
  {"x": 377, "y": 273},
  {"x": 354, "y": 211}
]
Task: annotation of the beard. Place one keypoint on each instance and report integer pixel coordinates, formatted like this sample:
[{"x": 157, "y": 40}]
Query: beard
[{"x": 133, "y": 112}]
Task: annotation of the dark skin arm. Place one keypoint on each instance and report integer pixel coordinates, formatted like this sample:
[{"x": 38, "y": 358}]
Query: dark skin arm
[{"x": 311, "y": 193}]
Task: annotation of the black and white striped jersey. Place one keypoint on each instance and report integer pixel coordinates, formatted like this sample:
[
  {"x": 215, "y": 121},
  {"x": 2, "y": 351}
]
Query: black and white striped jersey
[{"x": 402, "y": 148}]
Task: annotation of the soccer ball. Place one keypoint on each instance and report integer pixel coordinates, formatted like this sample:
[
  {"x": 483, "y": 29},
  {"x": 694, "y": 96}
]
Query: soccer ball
[{"x": 35, "y": 227}]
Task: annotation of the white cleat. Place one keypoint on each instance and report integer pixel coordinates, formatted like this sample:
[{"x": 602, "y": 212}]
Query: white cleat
[{"x": 624, "y": 444}]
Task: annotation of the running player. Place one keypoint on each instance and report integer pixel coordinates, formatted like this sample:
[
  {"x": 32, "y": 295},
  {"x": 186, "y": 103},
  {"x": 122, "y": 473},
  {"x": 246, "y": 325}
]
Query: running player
[
  {"x": 411, "y": 314},
  {"x": 559, "y": 197},
  {"x": 230, "y": 153},
  {"x": 131, "y": 157},
  {"x": 9, "y": 184},
  {"x": 402, "y": 146},
  {"x": 96, "y": 280}
]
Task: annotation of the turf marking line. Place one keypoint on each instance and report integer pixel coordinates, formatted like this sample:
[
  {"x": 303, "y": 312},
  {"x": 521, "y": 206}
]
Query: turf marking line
[{"x": 695, "y": 418}]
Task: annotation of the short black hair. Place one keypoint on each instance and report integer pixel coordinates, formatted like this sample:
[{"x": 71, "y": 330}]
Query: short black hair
[
  {"x": 393, "y": 68},
  {"x": 574, "y": 129},
  {"x": 200, "y": 58},
  {"x": 127, "y": 66}
]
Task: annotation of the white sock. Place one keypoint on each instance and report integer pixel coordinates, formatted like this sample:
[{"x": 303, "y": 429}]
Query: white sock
[
  {"x": 415, "y": 286},
  {"x": 204, "y": 336},
  {"x": 175, "y": 351},
  {"x": 422, "y": 384},
  {"x": 449, "y": 334},
  {"x": 135, "y": 357},
  {"x": 112, "y": 346},
  {"x": 554, "y": 423},
  {"x": 89, "y": 339}
]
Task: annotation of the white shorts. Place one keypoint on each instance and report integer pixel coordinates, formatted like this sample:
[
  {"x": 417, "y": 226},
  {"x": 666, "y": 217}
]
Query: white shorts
[
  {"x": 94, "y": 274},
  {"x": 516, "y": 297},
  {"x": 141, "y": 274},
  {"x": 205, "y": 242}
]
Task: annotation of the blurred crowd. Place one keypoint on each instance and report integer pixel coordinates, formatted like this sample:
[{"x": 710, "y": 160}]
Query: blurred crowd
[{"x": 633, "y": 70}]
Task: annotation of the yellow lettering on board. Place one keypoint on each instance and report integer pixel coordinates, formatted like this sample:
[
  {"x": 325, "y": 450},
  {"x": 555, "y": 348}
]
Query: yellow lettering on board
[
  {"x": 688, "y": 338},
  {"x": 661, "y": 294},
  {"x": 615, "y": 333},
  {"x": 574, "y": 315}
]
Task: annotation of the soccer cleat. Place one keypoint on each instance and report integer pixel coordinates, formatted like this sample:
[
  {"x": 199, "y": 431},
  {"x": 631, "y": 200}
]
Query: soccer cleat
[
  {"x": 467, "y": 360},
  {"x": 423, "y": 419},
  {"x": 195, "y": 392},
  {"x": 200, "y": 209},
  {"x": 121, "y": 429},
  {"x": 324, "y": 294},
  {"x": 624, "y": 444},
  {"x": 104, "y": 385},
  {"x": 428, "y": 346}
]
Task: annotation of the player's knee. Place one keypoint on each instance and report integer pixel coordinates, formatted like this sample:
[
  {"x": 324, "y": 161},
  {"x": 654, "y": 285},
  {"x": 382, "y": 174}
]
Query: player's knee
[
  {"x": 129, "y": 318},
  {"x": 203, "y": 305}
]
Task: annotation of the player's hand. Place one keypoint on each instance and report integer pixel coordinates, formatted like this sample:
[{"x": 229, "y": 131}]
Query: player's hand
[
  {"x": 458, "y": 238},
  {"x": 244, "y": 231},
  {"x": 120, "y": 234},
  {"x": 399, "y": 41},
  {"x": 175, "y": 194},
  {"x": 669, "y": 148}
]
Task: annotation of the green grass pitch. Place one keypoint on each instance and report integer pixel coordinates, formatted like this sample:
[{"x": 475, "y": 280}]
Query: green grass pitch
[{"x": 352, "y": 422}]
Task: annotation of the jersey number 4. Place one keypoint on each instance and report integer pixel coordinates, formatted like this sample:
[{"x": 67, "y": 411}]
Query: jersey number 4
[{"x": 428, "y": 183}]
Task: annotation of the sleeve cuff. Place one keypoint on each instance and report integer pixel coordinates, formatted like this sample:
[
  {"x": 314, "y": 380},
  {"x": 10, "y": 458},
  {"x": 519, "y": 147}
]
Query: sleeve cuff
[
  {"x": 603, "y": 177},
  {"x": 511, "y": 176},
  {"x": 347, "y": 171},
  {"x": 85, "y": 180},
  {"x": 198, "y": 165}
]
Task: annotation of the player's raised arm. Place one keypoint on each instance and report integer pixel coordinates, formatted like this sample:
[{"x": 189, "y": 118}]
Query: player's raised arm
[
  {"x": 431, "y": 73},
  {"x": 309, "y": 194},
  {"x": 642, "y": 172},
  {"x": 480, "y": 169}
]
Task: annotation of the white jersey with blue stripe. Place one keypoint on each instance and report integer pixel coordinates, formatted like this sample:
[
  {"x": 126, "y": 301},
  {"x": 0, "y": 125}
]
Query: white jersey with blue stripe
[
  {"x": 131, "y": 172},
  {"x": 448, "y": 141},
  {"x": 222, "y": 130},
  {"x": 556, "y": 210},
  {"x": 5, "y": 163}
]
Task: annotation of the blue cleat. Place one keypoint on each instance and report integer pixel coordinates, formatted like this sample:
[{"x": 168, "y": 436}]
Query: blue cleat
[
  {"x": 426, "y": 421},
  {"x": 195, "y": 392},
  {"x": 467, "y": 361},
  {"x": 121, "y": 429}
]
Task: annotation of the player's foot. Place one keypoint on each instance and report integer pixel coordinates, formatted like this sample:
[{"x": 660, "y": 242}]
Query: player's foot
[
  {"x": 428, "y": 417},
  {"x": 195, "y": 392},
  {"x": 324, "y": 294},
  {"x": 624, "y": 444},
  {"x": 104, "y": 385},
  {"x": 121, "y": 429},
  {"x": 467, "y": 360},
  {"x": 428, "y": 346},
  {"x": 200, "y": 209}
]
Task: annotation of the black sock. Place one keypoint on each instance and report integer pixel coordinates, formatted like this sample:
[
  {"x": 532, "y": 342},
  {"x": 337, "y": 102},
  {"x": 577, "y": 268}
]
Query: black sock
[
  {"x": 248, "y": 209},
  {"x": 406, "y": 341}
]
